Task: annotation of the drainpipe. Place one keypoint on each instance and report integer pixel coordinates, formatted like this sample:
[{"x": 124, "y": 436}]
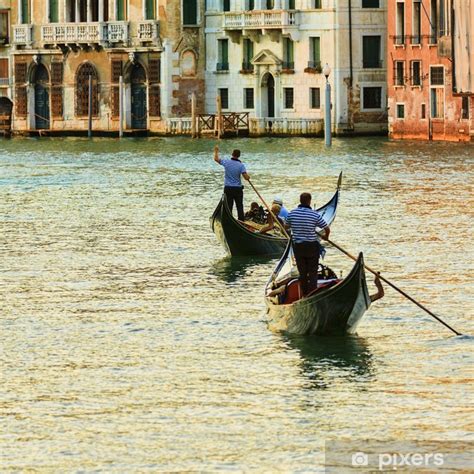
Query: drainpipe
[
  {"x": 350, "y": 43},
  {"x": 351, "y": 73},
  {"x": 453, "y": 57}
]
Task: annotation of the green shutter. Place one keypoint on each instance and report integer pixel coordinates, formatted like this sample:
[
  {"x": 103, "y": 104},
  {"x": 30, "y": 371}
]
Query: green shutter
[
  {"x": 53, "y": 11},
  {"x": 371, "y": 51},
  {"x": 120, "y": 10},
  {"x": 150, "y": 9},
  {"x": 25, "y": 11},
  {"x": 289, "y": 56},
  {"x": 316, "y": 49},
  {"x": 190, "y": 12},
  {"x": 225, "y": 51}
]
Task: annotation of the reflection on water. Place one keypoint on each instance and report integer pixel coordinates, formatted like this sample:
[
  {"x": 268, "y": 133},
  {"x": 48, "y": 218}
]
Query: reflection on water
[
  {"x": 324, "y": 358},
  {"x": 230, "y": 269}
]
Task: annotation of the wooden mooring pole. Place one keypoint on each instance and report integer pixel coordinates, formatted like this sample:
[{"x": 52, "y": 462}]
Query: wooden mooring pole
[
  {"x": 193, "y": 115},
  {"x": 121, "y": 106},
  {"x": 218, "y": 126},
  {"x": 89, "y": 126}
]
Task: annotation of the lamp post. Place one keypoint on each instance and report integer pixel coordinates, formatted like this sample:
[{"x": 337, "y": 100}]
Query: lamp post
[{"x": 327, "y": 107}]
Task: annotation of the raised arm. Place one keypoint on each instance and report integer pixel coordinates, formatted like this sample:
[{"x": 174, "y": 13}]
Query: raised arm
[
  {"x": 216, "y": 154},
  {"x": 380, "y": 291}
]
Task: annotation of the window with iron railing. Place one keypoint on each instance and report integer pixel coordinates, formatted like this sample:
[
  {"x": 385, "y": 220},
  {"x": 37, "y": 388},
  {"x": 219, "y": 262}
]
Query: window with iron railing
[
  {"x": 416, "y": 73},
  {"x": 288, "y": 97},
  {"x": 398, "y": 73}
]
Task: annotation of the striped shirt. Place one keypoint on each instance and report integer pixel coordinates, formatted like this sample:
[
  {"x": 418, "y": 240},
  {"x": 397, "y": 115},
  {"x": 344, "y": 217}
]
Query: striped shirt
[
  {"x": 233, "y": 170},
  {"x": 303, "y": 222}
]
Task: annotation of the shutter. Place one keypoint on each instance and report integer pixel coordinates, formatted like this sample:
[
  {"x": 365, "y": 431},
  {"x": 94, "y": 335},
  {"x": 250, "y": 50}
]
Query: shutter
[
  {"x": 57, "y": 101},
  {"x": 116, "y": 70},
  {"x": 115, "y": 101},
  {"x": 316, "y": 49},
  {"x": 154, "y": 99},
  {"x": 25, "y": 11},
  {"x": 20, "y": 73},
  {"x": 150, "y": 9},
  {"x": 3, "y": 68},
  {"x": 21, "y": 101},
  {"x": 120, "y": 10},
  {"x": 189, "y": 12},
  {"x": 56, "y": 73},
  {"x": 53, "y": 11},
  {"x": 225, "y": 52},
  {"x": 154, "y": 70}
]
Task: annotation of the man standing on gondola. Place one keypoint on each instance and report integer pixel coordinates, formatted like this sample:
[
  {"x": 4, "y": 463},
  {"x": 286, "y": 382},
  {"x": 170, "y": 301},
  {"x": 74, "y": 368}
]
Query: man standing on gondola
[
  {"x": 303, "y": 222},
  {"x": 233, "y": 189}
]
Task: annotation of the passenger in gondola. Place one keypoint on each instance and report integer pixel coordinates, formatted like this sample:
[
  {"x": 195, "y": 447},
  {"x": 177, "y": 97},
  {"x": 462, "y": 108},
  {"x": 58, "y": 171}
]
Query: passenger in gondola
[
  {"x": 271, "y": 224},
  {"x": 303, "y": 222},
  {"x": 233, "y": 189},
  {"x": 283, "y": 210},
  {"x": 256, "y": 213}
]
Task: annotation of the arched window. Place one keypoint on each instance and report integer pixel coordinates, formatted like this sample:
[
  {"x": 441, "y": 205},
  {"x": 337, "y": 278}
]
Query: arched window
[{"x": 82, "y": 90}]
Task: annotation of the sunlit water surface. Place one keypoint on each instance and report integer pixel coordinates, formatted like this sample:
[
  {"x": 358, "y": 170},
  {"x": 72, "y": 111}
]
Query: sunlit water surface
[{"x": 129, "y": 342}]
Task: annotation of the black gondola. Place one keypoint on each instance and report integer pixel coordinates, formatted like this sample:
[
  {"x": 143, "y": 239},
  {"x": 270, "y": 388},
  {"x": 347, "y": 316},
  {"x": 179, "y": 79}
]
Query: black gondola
[
  {"x": 242, "y": 240},
  {"x": 335, "y": 308}
]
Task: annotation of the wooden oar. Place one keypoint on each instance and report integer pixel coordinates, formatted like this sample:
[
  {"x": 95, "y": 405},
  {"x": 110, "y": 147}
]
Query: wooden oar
[
  {"x": 285, "y": 233},
  {"x": 394, "y": 287}
]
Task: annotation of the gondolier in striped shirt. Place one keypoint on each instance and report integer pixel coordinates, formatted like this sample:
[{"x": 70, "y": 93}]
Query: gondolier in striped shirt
[
  {"x": 303, "y": 222},
  {"x": 233, "y": 188}
]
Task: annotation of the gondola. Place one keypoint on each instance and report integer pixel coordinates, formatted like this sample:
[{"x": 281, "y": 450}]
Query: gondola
[
  {"x": 335, "y": 308},
  {"x": 240, "y": 239}
]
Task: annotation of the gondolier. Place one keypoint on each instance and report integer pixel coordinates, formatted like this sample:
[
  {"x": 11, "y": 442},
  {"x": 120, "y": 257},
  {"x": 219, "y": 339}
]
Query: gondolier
[
  {"x": 303, "y": 222},
  {"x": 233, "y": 188}
]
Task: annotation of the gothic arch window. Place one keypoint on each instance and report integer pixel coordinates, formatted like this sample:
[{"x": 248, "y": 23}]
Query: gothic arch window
[{"x": 82, "y": 90}]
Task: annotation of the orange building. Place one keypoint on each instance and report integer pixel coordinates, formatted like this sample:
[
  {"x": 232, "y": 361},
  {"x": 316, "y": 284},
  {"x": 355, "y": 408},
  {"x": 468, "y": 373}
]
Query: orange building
[{"x": 430, "y": 76}]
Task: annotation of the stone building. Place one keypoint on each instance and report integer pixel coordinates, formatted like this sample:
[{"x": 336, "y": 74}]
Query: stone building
[
  {"x": 61, "y": 45},
  {"x": 431, "y": 67},
  {"x": 265, "y": 57}
]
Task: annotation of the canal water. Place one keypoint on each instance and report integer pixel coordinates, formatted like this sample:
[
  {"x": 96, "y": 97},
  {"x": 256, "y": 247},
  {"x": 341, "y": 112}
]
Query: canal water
[{"x": 130, "y": 342}]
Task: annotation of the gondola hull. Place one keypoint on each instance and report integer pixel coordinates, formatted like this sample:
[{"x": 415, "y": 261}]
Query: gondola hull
[
  {"x": 333, "y": 311},
  {"x": 240, "y": 241}
]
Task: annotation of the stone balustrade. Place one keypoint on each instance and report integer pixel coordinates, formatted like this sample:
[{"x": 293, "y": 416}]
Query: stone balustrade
[
  {"x": 62, "y": 33},
  {"x": 148, "y": 31},
  {"x": 260, "y": 19},
  {"x": 22, "y": 34},
  {"x": 117, "y": 31},
  {"x": 178, "y": 126},
  {"x": 286, "y": 126}
]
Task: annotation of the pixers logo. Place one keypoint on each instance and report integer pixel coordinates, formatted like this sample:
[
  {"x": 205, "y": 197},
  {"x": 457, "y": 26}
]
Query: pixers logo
[{"x": 397, "y": 460}]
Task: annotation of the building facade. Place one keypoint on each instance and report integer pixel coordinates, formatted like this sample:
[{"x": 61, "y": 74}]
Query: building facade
[
  {"x": 70, "y": 56},
  {"x": 265, "y": 57},
  {"x": 430, "y": 56}
]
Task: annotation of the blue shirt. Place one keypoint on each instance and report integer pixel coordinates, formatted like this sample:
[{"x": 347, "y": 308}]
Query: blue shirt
[
  {"x": 303, "y": 222},
  {"x": 233, "y": 171},
  {"x": 283, "y": 213}
]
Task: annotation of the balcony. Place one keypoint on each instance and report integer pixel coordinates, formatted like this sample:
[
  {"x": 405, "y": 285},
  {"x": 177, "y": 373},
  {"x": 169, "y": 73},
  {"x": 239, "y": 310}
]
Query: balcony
[
  {"x": 266, "y": 19},
  {"x": 247, "y": 68},
  {"x": 314, "y": 67},
  {"x": 70, "y": 33},
  {"x": 222, "y": 67},
  {"x": 22, "y": 34},
  {"x": 148, "y": 32},
  {"x": 117, "y": 32}
]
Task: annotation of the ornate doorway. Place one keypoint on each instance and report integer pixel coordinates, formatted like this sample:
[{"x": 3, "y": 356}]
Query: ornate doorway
[
  {"x": 138, "y": 97},
  {"x": 41, "y": 82}
]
